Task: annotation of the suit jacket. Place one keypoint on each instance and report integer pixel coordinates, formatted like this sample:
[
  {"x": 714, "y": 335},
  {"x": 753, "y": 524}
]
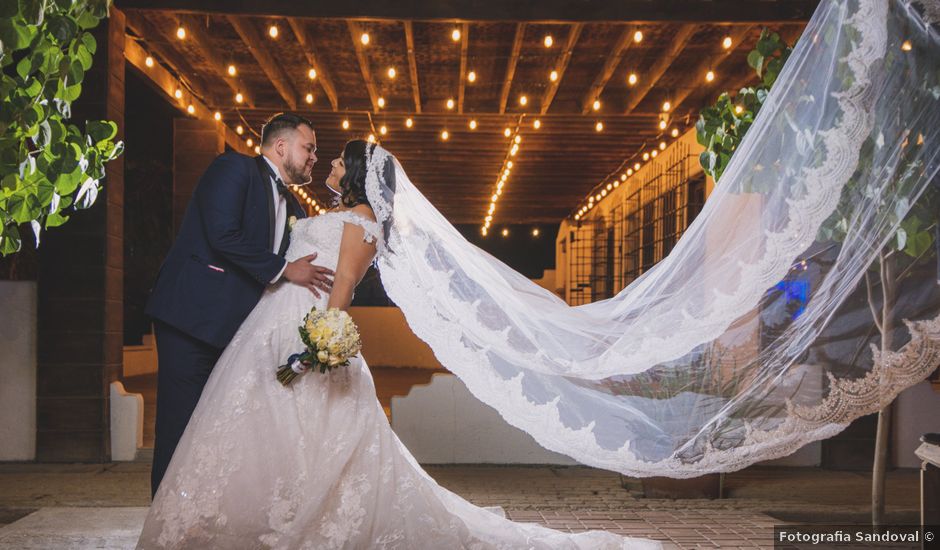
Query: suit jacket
[{"x": 222, "y": 259}]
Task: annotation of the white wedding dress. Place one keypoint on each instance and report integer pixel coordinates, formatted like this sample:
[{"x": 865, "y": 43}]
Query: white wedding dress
[{"x": 315, "y": 465}]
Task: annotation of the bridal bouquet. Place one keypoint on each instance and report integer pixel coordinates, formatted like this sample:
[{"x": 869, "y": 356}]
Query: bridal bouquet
[{"x": 331, "y": 338}]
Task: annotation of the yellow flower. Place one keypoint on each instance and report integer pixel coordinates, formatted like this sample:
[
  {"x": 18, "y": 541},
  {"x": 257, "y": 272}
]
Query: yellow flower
[
  {"x": 291, "y": 221},
  {"x": 323, "y": 356}
]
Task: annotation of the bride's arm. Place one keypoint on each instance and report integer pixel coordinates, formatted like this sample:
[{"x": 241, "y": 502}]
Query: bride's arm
[{"x": 355, "y": 255}]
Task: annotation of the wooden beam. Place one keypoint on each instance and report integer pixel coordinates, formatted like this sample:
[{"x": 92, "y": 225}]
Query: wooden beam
[
  {"x": 413, "y": 65},
  {"x": 696, "y": 78},
  {"x": 310, "y": 52},
  {"x": 649, "y": 80},
  {"x": 561, "y": 65},
  {"x": 355, "y": 32},
  {"x": 160, "y": 45},
  {"x": 610, "y": 65},
  {"x": 464, "y": 47},
  {"x": 271, "y": 67},
  {"x": 163, "y": 80},
  {"x": 197, "y": 34},
  {"x": 511, "y": 67},
  {"x": 544, "y": 11}
]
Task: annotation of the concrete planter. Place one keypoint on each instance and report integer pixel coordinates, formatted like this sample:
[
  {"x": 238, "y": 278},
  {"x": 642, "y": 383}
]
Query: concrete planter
[{"x": 18, "y": 370}]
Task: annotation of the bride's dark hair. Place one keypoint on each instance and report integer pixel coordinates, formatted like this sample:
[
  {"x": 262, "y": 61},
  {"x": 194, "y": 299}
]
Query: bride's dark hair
[{"x": 353, "y": 184}]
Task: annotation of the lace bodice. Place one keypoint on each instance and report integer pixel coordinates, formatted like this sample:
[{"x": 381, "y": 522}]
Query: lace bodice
[{"x": 322, "y": 234}]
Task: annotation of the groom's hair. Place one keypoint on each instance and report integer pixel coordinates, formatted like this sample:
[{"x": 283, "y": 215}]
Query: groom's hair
[{"x": 280, "y": 123}]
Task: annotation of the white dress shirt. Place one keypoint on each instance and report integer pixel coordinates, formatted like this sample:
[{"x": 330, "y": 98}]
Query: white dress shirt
[{"x": 280, "y": 215}]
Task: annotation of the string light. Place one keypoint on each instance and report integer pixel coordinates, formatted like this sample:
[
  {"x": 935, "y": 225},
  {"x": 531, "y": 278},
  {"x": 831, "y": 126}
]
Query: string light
[
  {"x": 623, "y": 177},
  {"x": 250, "y": 142},
  {"x": 629, "y": 172},
  {"x": 190, "y": 109},
  {"x": 217, "y": 115},
  {"x": 662, "y": 124},
  {"x": 505, "y": 232},
  {"x": 646, "y": 157},
  {"x": 371, "y": 138},
  {"x": 517, "y": 140},
  {"x": 312, "y": 74},
  {"x": 738, "y": 109},
  {"x": 383, "y": 129},
  {"x": 523, "y": 100},
  {"x": 535, "y": 232},
  {"x": 632, "y": 79},
  {"x": 483, "y": 230},
  {"x": 507, "y": 132},
  {"x": 553, "y": 76},
  {"x": 638, "y": 36},
  {"x": 654, "y": 153},
  {"x": 345, "y": 124},
  {"x": 636, "y": 167},
  {"x": 906, "y": 46},
  {"x": 232, "y": 71},
  {"x": 149, "y": 61},
  {"x": 364, "y": 39},
  {"x": 537, "y": 124},
  {"x": 597, "y": 105},
  {"x": 272, "y": 31},
  {"x": 381, "y": 102},
  {"x": 548, "y": 41},
  {"x": 473, "y": 124},
  {"x": 666, "y": 106},
  {"x": 239, "y": 97},
  {"x": 309, "y": 98},
  {"x": 239, "y": 130},
  {"x": 610, "y": 186},
  {"x": 455, "y": 35},
  {"x": 599, "y": 127},
  {"x": 726, "y": 43},
  {"x": 674, "y": 132},
  {"x": 662, "y": 145},
  {"x": 178, "y": 94},
  {"x": 257, "y": 149},
  {"x": 709, "y": 76},
  {"x": 472, "y": 76},
  {"x": 445, "y": 135},
  {"x": 391, "y": 72},
  {"x": 514, "y": 150},
  {"x": 181, "y": 32},
  {"x": 409, "y": 122},
  {"x": 450, "y": 104}
]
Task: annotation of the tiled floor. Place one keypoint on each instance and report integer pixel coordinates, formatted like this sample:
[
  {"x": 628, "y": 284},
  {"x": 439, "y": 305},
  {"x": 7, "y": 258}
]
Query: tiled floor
[{"x": 71, "y": 497}]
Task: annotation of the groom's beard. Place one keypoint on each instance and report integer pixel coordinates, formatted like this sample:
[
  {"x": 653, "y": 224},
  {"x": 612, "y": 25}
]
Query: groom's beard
[{"x": 298, "y": 175}]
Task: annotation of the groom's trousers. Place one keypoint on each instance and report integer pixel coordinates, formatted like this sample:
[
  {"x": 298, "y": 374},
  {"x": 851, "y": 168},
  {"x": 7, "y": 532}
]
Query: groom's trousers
[{"x": 184, "y": 365}]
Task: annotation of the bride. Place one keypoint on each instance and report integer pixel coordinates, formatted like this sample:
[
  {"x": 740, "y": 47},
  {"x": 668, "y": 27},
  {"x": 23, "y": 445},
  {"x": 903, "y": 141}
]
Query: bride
[{"x": 316, "y": 464}]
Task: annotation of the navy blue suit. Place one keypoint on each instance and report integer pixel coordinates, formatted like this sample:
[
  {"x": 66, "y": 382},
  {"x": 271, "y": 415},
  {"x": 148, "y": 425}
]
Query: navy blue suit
[{"x": 213, "y": 277}]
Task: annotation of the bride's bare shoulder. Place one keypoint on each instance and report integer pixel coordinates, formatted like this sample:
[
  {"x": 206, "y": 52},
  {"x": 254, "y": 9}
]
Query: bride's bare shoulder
[{"x": 364, "y": 210}]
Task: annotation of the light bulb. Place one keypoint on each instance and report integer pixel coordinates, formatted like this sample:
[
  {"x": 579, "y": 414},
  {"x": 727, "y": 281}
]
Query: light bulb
[
  {"x": 738, "y": 109},
  {"x": 553, "y": 76},
  {"x": 638, "y": 36},
  {"x": 906, "y": 46},
  {"x": 507, "y": 132},
  {"x": 312, "y": 74},
  {"x": 250, "y": 142},
  {"x": 409, "y": 123},
  {"x": 345, "y": 124},
  {"x": 646, "y": 156},
  {"x": 239, "y": 97},
  {"x": 654, "y": 153},
  {"x": 257, "y": 149},
  {"x": 517, "y": 139},
  {"x": 629, "y": 172},
  {"x": 537, "y": 124},
  {"x": 599, "y": 127},
  {"x": 662, "y": 145},
  {"x": 309, "y": 98},
  {"x": 726, "y": 43},
  {"x": 473, "y": 124},
  {"x": 632, "y": 79},
  {"x": 190, "y": 109},
  {"x": 383, "y": 129},
  {"x": 548, "y": 41},
  {"x": 239, "y": 130},
  {"x": 364, "y": 39},
  {"x": 232, "y": 71},
  {"x": 181, "y": 33},
  {"x": 371, "y": 138},
  {"x": 623, "y": 177},
  {"x": 636, "y": 166},
  {"x": 472, "y": 76},
  {"x": 709, "y": 76},
  {"x": 505, "y": 232},
  {"x": 450, "y": 103},
  {"x": 662, "y": 124},
  {"x": 391, "y": 72},
  {"x": 523, "y": 100},
  {"x": 455, "y": 35},
  {"x": 217, "y": 115},
  {"x": 666, "y": 106},
  {"x": 272, "y": 31},
  {"x": 149, "y": 61},
  {"x": 535, "y": 232},
  {"x": 445, "y": 135},
  {"x": 597, "y": 105}
]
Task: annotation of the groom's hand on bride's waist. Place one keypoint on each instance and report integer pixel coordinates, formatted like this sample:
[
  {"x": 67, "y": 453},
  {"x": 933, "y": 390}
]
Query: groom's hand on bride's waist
[{"x": 303, "y": 273}]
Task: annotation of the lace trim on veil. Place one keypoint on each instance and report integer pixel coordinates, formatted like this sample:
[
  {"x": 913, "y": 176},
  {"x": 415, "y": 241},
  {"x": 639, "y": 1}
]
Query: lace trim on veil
[{"x": 449, "y": 334}]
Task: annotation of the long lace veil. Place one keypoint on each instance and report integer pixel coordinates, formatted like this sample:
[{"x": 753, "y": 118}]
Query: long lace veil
[{"x": 803, "y": 296}]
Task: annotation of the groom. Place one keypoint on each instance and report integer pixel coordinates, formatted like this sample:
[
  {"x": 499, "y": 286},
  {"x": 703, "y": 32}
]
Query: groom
[{"x": 230, "y": 246}]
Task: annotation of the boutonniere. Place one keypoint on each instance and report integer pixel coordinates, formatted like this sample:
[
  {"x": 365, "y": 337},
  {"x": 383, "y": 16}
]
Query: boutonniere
[{"x": 290, "y": 222}]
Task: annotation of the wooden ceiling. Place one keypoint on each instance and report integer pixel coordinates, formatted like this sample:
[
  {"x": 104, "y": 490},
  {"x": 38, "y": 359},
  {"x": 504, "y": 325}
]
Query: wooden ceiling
[{"x": 593, "y": 51}]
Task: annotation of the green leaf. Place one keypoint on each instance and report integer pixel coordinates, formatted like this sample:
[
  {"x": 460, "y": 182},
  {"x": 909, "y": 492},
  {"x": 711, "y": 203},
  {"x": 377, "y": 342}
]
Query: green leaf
[
  {"x": 23, "y": 207},
  {"x": 755, "y": 60},
  {"x": 918, "y": 243},
  {"x": 10, "y": 241},
  {"x": 87, "y": 21},
  {"x": 32, "y": 11},
  {"x": 89, "y": 42},
  {"x": 55, "y": 220},
  {"x": 101, "y": 130},
  {"x": 24, "y": 67},
  {"x": 62, "y": 28}
]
